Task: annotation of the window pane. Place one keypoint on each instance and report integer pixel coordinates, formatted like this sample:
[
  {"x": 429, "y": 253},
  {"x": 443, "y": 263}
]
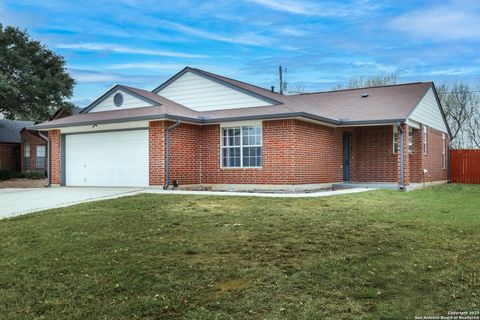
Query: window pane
[
  {"x": 40, "y": 163},
  {"x": 252, "y": 156},
  {"x": 410, "y": 141},
  {"x": 26, "y": 150},
  {"x": 231, "y": 157},
  {"x": 395, "y": 141},
  {"x": 41, "y": 151}
]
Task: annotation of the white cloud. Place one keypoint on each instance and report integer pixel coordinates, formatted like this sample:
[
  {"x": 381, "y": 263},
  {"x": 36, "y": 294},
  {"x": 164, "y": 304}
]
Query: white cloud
[
  {"x": 375, "y": 66},
  {"x": 146, "y": 65},
  {"x": 453, "y": 22},
  {"x": 323, "y": 9},
  {"x": 296, "y": 7},
  {"x": 89, "y": 46},
  {"x": 290, "y": 31},
  {"x": 246, "y": 39},
  {"x": 93, "y": 76}
]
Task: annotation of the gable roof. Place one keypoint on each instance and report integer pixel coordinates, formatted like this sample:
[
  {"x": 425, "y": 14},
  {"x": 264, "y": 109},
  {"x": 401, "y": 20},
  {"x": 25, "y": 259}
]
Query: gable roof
[
  {"x": 384, "y": 104},
  {"x": 10, "y": 130},
  {"x": 234, "y": 84}
]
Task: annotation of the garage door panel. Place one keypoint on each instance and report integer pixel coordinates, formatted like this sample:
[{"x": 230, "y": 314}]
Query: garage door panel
[{"x": 107, "y": 159}]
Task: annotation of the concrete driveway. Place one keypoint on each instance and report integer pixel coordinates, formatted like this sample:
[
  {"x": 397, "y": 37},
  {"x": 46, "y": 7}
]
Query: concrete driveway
[{"x": 14, "y": 202}]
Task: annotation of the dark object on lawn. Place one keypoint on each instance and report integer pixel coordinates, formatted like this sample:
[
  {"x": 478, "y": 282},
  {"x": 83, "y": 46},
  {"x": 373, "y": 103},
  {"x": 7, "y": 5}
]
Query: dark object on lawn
[{"x": 175, "y": 183}]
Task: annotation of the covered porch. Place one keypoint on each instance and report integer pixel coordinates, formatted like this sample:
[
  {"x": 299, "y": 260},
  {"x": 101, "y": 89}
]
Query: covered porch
[{"x": 386, "y": 156}]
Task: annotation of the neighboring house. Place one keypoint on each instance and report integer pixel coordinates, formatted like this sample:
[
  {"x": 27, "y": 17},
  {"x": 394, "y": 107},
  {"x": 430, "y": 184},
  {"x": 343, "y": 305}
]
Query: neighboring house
[
  {"x": 34, "y": 147},
  {"x": 204, "y": 129},
  {"x": 10, "y": 140}
]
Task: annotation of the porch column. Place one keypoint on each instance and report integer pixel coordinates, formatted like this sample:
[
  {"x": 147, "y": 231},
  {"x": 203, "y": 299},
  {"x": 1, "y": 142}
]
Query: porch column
[
  {"x": 157, "y": 153},
  {"x": 403, "y": 157},
  {"x": 55, "y": 157}
]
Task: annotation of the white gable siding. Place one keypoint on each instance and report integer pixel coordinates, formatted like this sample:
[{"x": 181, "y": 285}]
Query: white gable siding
[
  {"x": 428, "y": 112},
  {"x": 201, "y": 94},
  {"x": 129, "y": 102}
]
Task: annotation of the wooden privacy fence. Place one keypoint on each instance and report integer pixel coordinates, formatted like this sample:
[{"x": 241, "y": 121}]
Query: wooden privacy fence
[{"x": 465, "y": 166}]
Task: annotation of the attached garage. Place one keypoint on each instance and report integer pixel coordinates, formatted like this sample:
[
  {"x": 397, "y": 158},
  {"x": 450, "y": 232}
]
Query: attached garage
[{"x": 113, "y": 159}]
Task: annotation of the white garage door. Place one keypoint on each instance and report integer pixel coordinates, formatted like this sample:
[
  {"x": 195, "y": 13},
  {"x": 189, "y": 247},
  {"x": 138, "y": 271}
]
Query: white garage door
[{"x": 114, "y": 159}]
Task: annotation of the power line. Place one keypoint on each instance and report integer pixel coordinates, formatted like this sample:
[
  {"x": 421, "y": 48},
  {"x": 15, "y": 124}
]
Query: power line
[{"x": 459, "y": 92}]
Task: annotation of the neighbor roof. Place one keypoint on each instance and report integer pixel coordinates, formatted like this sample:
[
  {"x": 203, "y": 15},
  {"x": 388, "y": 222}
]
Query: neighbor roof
[
  {"x": 10, "y": 130},
  {"x": 384, "y": 104}
]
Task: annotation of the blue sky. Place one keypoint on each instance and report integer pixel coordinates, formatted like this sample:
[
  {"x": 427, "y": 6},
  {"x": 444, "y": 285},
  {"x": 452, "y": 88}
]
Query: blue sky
[{"x": 142, "y": 43}]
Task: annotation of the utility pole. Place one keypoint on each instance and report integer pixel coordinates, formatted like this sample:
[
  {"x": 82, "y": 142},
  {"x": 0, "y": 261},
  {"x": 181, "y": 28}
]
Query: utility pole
[{"x": 281, "y": 78}]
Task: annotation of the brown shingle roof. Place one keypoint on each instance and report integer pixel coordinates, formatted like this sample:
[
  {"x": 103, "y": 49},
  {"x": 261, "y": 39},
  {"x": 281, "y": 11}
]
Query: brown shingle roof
[{"x": 342, "y": 107}]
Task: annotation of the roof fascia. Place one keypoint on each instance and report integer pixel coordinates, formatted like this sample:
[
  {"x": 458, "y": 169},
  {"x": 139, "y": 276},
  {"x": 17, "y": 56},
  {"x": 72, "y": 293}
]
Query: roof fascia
[
  {"x": 371, "y": 122},
  {"x": 441, "y": 110}
]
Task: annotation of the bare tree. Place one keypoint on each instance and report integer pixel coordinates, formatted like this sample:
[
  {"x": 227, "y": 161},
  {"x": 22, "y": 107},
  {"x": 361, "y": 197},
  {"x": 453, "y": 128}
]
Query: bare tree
[
  {"x": 298, "y": 88},
  {"x": 361, "y": 82},
  {"x": 473, "y": 130},
  {"x": 461, "y": 111}
]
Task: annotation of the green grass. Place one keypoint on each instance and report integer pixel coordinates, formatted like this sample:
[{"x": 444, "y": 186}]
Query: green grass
[{"x": 374, "y": 255}]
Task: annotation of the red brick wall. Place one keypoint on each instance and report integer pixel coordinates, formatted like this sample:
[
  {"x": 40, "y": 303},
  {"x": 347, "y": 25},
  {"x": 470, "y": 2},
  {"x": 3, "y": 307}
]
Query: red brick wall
[
  {"x": 33, "y": 140},
  {"x": 278, "y": 157},
  {"x": 372, "y": 157},
  {"x": 157, "y": 152},
  {"x": 416, "y": 157},
  {"x": 293, "y": 152},
  {"x": 10, "y": 156},
  {"x": 184, "y": 154},
  {"x": 406, "y": 159},
  {"x": 319, "y": 153},
  {"x": 55, "y": 156},
  {"x": 432, "y": 161}
]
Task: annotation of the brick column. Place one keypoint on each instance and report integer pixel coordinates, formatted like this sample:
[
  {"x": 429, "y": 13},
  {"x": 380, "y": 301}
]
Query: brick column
[
  {"x": 157, "y": 152},
  {"x": 406, "y": 157},
  {"x": 55, "y": 156}
]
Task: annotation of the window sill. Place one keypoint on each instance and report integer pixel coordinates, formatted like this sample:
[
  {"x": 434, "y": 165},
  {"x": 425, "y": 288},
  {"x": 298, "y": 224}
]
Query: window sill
[{"x": 241, "y": 168}]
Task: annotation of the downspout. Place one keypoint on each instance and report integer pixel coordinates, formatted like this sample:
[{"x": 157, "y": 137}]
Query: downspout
[
  {"x": 402, "y": 157},
  {"x": 167, "y": 154},
  {"x": 48, "y": 156}
]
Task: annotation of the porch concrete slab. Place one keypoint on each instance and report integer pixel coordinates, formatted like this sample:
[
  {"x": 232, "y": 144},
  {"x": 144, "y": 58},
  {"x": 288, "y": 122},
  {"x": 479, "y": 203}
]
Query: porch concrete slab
[
  {"x": 259, "y": 194},
  {"x": 16, "y": 201},
  {"x": 367, "y": 185}
]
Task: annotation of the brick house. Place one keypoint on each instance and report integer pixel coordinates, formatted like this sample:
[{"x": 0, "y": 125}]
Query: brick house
[
  {"x": 33, "y": 150},
  {"x": 10, "y": 143},
  {"x": 203, "y": 129},
  {"x": 33, "y": 153}
]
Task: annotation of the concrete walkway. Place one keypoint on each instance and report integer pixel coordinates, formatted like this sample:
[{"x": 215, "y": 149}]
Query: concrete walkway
[
  {"x": 14, "y": 202},
  {"x": 260, "y": 194}
]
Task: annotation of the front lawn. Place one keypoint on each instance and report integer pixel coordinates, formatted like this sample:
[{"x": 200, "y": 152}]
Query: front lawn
[{"x": 374, "y": 255}]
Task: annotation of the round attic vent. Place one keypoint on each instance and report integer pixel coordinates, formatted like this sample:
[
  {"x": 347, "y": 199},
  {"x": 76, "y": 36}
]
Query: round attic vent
[{"x": 118, "y": 99}]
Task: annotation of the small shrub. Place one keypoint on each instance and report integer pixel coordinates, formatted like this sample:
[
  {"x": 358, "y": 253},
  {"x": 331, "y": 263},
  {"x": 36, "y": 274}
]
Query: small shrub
[
  {"x": 20, "y": 175},
  {"x": 6, "y": 174},
  {"x": 36, "y": 175}
]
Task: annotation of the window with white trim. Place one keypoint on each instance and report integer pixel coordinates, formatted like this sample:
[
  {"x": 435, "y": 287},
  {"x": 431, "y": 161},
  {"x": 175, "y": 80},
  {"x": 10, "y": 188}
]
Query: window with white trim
[
  {"x": 425, "y": 139},
  {"x": 241, "y": 146},
  {"x": 444, "y": 151},
  {"x": 26, "y": 156},
  {"x": 40, "y": 157},
  {"x": 410, "y": 139},
  {"x": 395, "y": 139}
]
